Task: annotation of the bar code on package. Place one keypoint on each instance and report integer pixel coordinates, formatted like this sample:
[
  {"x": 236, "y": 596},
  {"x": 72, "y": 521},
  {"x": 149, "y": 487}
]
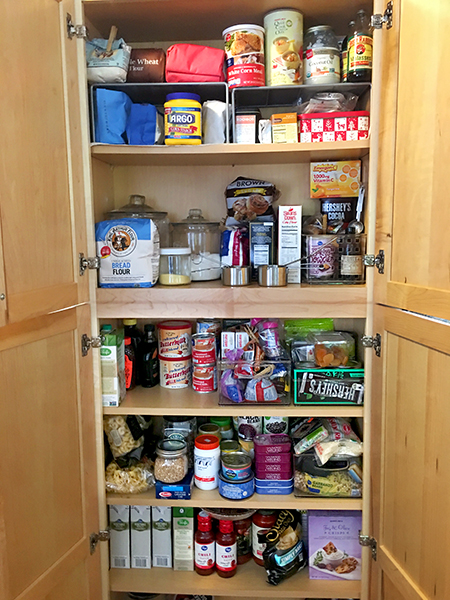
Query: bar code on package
[
  {"x": 141, "y": 562},
  {"x": 119, "y": 562},
  {"x": 161, "y": 561}
]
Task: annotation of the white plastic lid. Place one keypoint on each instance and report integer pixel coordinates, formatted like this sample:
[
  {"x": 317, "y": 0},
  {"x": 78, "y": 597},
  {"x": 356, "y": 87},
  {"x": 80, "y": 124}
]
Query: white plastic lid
[
  {"x": 244, "y": 26},
  {"x": 174, "y": 251}
]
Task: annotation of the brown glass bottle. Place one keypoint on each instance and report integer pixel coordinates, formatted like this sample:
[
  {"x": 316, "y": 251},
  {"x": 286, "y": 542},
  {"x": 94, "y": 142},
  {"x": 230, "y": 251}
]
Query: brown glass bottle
[
  {"x": 130, "y": 364},
  {"x": 226, "y": 555},
  {"x": 205, "y": 547},
  {"x": 359, "y": 55}
]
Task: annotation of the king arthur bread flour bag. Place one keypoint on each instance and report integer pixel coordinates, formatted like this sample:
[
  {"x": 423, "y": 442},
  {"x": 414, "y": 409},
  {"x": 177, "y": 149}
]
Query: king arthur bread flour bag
[{"x": 129, "y": 252}]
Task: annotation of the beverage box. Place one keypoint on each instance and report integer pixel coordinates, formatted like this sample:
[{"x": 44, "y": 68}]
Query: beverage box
[
  {"x": 175, "y": 491},
  {"x": 334, "y": 127},
  {"x": 183, "y": 539},
  {"x": 162, "y": 536},
  {"x": 112, "y": 364},
  {"x": 119, "y": 536},
  {"x": 290, "y": 240},
  {"x": 334, "y": 550},
  {"x": 335, "y": 179},
  {"x": 141, "y": 537}
]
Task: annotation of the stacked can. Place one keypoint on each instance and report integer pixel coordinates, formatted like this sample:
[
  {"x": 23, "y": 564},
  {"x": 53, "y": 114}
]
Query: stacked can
[
  {"x": 174, "y": 351},
  {"x": 204, "y": 357},
  {"x": 236, "y": 479}
]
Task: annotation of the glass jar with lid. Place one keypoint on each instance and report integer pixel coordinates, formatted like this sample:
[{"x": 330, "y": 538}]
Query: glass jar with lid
[
  {"x": 203, "y": 238},
  {"x": 138, "y": 209},
  {"x": 175, "y": 266},
  {"x": 181, "y": 428},
  {"x": 171, "y": 463},
  {"x": 321, "y": 56}
]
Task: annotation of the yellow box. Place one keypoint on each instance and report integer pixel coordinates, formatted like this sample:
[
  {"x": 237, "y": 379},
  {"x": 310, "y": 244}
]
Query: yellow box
[
  {"x": 335, "y": 179},
  {"x": 284, "y": 128}
]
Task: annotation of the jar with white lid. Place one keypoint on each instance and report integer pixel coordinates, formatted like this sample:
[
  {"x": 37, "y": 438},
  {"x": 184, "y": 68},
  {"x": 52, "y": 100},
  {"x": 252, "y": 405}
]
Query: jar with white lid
[
  {"x": 321, "y": 56},
  {"x": 206, "y": 462},
  {"x": 175, "y": 266}
]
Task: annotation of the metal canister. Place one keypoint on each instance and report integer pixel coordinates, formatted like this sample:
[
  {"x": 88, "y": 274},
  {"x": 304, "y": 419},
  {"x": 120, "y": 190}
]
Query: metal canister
[
  {"x": 284, "y": 47},
  {"x": 228, "y": 446},
  {"x": 236, "y": 466},
  {"x": 203, "y": 348},
  {"x": 204, "y": 378}
]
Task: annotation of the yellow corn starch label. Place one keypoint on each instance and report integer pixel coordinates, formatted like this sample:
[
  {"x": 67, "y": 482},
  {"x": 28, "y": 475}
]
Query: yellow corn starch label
[
  {"x": 360, "y": 52},
  {"x": 182, "y": 123}
]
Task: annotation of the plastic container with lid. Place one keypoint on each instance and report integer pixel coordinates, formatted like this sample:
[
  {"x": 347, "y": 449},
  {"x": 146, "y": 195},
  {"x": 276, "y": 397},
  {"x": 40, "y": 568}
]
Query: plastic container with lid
[
  {"x": 203, "y": 238},
  {"x": 262, "y": 521},
  {"x": 182, "y": 119},
  {"x": 206, "y": 462},
  {"x": 226, "y": 428},
  {"x": 175, "y": 266},
  {"x": 321, "y": 56},
  {"x": 209, "y": 429},
  {"x": 171, "y": 463},
  {"x": 138, "y": 209},
  {"x": 181, "y": 428}
]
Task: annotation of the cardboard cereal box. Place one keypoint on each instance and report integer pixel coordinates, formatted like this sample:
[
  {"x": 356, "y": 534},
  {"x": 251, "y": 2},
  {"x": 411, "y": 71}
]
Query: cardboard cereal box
[{"x": 335, "y": 179}]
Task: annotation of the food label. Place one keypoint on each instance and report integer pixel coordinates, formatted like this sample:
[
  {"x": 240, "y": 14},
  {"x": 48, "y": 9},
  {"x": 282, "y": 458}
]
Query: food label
[
  {"x": 344, "y": 69},
  {"x": 360, "y": 52},
  {"x": 182, "y": 123},
  {"x": 321, "y": 63},
  {"x": 204, "y": 378},
  {"x": 205, "y": 555},
  {"x": 128, "y": 371},
  {"x": 335, "y": 179},
  {"x": 248, "y": 427},
  {"x": 276, "y": 424},
  {"x": 351, "y": 265},
  {"x": 257, "y": 547},
  {"x": 207, "y": 467},
  {"x": 284, "y": 47},
  {"x": 175, "y": 374},
  {"x": 226, "y": 557},
  {"x": 174, "y": 343},
  {"x": 245, "y": 129},
  {"x": 322, "y": 257},
  {"x": 245, "y": 57}
]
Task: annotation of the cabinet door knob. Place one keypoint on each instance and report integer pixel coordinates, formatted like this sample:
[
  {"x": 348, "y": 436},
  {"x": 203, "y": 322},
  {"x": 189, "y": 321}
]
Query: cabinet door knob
[{"x": 2, "y": 297}]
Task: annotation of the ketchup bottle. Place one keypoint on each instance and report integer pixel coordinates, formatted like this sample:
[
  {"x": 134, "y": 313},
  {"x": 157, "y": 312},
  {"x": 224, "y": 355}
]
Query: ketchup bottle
[
  {"x": 226, "y": 552},
  {"x": 205, "y": 549}
]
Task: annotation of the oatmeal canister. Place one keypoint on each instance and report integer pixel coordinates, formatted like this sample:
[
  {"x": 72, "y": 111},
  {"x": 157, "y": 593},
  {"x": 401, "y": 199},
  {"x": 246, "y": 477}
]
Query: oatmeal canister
[
  {"x": 174, "y": 339},
  {"x": 244, "y": 49},
  {"x": 204, "y": 378},
  {"x": 174, "y": 373},
  {"x": 284, "y": 47}
]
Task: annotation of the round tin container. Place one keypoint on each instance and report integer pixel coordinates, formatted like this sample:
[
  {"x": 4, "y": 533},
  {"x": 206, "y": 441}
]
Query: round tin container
[
  {"x": 244, "y": 50},
  {"x": 174, "y": 373},
  {"x": 272, "y": 276},
  {"x": 204, "y": 378},
  {"x": 236, "y": 490},
  {"x": 174, "y": 339},
  {"x": 236, "y": 466},
  {"x": 203, "y": 348},
  {"x": 284, "y": 46},
  {"x": 227, "y": 446}
]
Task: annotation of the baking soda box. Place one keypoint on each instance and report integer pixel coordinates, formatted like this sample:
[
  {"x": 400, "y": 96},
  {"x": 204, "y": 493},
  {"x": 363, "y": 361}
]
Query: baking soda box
[{"x": 334, "y": 550}]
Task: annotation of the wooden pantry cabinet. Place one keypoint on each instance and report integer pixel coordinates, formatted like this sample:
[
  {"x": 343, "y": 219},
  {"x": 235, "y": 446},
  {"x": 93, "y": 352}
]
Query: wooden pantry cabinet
[{"x": 53, "y": 188}]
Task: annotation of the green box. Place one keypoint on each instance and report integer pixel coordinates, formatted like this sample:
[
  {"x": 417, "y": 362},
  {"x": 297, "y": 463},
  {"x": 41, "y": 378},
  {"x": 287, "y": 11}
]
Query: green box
[
  {"x": 112, "y": 363},
  {"x": 333, "y": 386}
]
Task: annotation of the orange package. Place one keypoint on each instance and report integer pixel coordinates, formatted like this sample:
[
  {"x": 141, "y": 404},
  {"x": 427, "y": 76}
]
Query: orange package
[{"x": 335, "y": 179}]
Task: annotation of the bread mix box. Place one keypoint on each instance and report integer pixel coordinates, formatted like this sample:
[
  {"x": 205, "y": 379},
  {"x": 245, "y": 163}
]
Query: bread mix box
[
  {"x": 335, "y": 179},
  {"x": 333, "y": 544}
]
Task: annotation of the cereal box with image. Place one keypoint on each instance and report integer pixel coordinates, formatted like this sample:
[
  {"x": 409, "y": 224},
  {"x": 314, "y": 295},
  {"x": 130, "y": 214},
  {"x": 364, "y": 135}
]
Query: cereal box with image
[
  {"x": 334, "y": 550},
  {"x": 335, "y": 179}
]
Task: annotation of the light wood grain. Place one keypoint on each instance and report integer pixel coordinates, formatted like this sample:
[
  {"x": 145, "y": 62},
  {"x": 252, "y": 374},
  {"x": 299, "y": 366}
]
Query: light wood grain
[
  {"x": 250, "y": 580},
  {"x": 419, "y": 298},
  {"x": 4, "y": 302},
  {"x": 29, "y": 304},
  {"x": 389, "y": 591}
]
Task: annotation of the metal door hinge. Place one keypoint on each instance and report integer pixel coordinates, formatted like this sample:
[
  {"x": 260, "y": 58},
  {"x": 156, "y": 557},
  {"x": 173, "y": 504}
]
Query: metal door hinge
[
  {"x": 95, "y": 538},
  {"x": 370, "y": 260},
  {"x": 87, "y": 343},
  {"x": 79, "y": 31},
  {"x": 372, "y": 342},
  {"x": 366, "y": 540},
  {"x": 377, "y": 21},
  {"x": 88, "y": 263}
]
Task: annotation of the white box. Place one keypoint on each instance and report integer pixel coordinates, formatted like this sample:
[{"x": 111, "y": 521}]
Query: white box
[
  {"x": 290, "y": 240},
  {"x": 141, "y": 537},
  {"x": 119, "y": 536},
  {"x": 228, "y": 342},
  {"x": 242, "y": 339},
  {"x": 162, "y": 536}
]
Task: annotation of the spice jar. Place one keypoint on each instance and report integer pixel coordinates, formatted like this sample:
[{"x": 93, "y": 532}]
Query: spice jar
[
  {"x": 171, "y": 462},
  {"x": 206, "y": 462},
  {"x": 321, "y": 56},
  {"x": 262, "y": 521},
  {"x": 175, "y": 266},
  {"x": 226, "y": 429}
]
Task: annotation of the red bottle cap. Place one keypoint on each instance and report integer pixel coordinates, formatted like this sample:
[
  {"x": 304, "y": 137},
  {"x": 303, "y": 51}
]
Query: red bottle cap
[
  {"x": 204, "y": 521},
  {"x": 226, "y": 526},
  {"x": 127, "y": 341},
  {"x": 207, "y": 442}
]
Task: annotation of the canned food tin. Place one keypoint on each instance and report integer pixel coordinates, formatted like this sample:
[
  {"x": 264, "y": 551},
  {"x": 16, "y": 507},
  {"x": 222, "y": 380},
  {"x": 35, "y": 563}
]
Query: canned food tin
[
  {"x": 203, "y": 348},
  {"x": 204, "y": 378},
  {"x": 284, "y": 46},
  {"x": 174, "y": 373},
  {"x": 236, "y": 490},
  {"x": 174, "y": 339},
  {"x": 244, "y": 49},
  {"x": 227, "y": 446},
  {"x": 236, "y": 466}
]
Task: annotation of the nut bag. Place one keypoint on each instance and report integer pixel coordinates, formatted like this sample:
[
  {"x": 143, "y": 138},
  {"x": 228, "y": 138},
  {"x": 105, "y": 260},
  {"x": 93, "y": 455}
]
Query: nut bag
[
  {"x": 284, "y": 554},
  {"x": 248, "y": 199}
]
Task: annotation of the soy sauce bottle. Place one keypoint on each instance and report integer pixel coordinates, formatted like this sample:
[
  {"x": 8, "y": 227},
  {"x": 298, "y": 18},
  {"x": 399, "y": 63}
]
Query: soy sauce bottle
[
  {"x": 149, "y": 363},
  {"x": 360, "y": 43}
]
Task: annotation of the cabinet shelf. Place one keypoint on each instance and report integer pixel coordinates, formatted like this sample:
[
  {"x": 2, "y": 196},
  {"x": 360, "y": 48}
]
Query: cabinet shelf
[
  {"x": 249, "y": 581},
  {"x": 212, "y": 499},
  {"x": 212, "y": 299},
  {"x": 229, "y": 154},
  {"x": 161, "y": 401}
]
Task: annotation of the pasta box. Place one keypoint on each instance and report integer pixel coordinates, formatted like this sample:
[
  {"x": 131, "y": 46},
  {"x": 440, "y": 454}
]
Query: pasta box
[
  {"x": 334, "y": 127},
  {"x": 334, "y": 550},
  {"x": 329, "y": 386},
  {"x": 175, "y": 491}
]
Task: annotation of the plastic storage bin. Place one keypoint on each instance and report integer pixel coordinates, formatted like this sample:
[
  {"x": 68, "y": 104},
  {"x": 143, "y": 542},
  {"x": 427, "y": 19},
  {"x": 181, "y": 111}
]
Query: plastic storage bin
[
  {"x": 328, "y": 386},
  {"x": 334, "y": 258},
  {"x": 338, "y": 478}
]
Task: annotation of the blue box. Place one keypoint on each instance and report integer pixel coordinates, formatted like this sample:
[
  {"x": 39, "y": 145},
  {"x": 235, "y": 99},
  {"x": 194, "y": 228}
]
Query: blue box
[
  {"x": 175, "y": 491},
  {"x": 275, "y": 487}
]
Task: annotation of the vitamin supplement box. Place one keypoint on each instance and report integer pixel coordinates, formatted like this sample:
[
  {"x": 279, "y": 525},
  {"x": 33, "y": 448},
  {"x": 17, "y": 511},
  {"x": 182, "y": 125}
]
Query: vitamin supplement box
[
  {"x": 237, "y": 384},
  {"x": 328, "y": 386},
  {"x": 176, "y": 491},
  {"x": 334, "y": 550},
  {"x": 335, "y": 179},
  {"x": 334, "y": 127}
]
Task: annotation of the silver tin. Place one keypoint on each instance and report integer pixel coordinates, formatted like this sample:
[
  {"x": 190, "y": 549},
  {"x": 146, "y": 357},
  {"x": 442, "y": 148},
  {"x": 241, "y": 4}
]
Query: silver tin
[
  {"x": 235, "y": 276},
  {"x": 272, "y": 276}
]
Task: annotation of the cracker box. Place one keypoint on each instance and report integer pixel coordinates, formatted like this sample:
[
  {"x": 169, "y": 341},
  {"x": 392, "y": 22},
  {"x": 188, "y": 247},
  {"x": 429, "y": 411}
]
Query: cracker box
[
  {"x": 284, "y": 128},
  {"x": 334, "y": 127},
  {"x": 119, "y": 536},
  {"x": 175, "y": 491},
  {"x": 112, "y": 364},
  {"x": 141, "y": 537},
  {"x": 290, "y": 240},
  {"x": 334, "y": 550},
  {"x": 162, "y": 536},
  {"x": 335, "y": 179}
]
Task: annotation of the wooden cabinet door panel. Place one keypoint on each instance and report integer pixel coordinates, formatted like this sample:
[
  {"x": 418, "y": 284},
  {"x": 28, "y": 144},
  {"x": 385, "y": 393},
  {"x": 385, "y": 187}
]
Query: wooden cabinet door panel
[
  {"x": 409, "y": 468},
  {"x": 412, "y": 205},
  {"x": 41, "y": 180},
  {"x": 48, "y": 490}
]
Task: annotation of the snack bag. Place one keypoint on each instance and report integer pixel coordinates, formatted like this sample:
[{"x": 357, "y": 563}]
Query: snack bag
[
  {"x": 248, "y": 199},
  {"x": 341, "y": 441}
]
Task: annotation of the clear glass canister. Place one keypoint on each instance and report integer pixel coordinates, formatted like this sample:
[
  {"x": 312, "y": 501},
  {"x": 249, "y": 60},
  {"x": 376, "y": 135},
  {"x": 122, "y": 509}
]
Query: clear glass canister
[
  {"x": 321, "y": 56},
  {"x": 171, "y": 463},
  {"x": 175, "y": 266},
  {"x": 203, "y": 238},
  {"x": 138, "y": 209},
  {"x": 181, "y": 428}
]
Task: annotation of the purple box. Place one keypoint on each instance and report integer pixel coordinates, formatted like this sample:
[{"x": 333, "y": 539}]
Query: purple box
[
  {"x": 282, "y": 476},
  {"x": 272, "y": 443},
  {"x": 334, "y": 550},
  {"x": 266, "y": 467},
  {"x": 274, "y": 459}
]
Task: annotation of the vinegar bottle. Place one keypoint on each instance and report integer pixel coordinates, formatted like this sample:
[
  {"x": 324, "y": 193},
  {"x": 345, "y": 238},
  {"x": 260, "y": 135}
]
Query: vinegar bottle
[
  {"x": 360, "y": 44},
  {"x": 226, "y": 552},
  {"x": 205, "y": 550}
]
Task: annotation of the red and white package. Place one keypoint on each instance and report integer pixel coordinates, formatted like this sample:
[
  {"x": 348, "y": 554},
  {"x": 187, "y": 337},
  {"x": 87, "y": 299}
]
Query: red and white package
[
  {"x": 342, "y": 441},
  {"x": 334, "y": 127},
  {"x": 234, "y": 247}
]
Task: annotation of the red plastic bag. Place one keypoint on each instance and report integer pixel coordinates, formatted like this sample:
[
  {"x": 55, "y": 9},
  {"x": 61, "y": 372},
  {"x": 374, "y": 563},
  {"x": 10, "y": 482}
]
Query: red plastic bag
[{"x": 189, "y": 62}]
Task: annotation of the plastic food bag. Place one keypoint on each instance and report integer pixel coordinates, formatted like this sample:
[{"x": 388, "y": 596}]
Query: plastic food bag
[
  {"x": 329, "y": 102},
  {"x": 112, "y": 109},
  {"x": 133, "y": 479},
  {"x": 342, "y": 441},
  {"x": 338, "y": 478},
  {"x": 250, "y": 198},
  {"x": 310, "y": 432},
  {"x": 124, "y": 433},
  {"x": 107, "y": 67},
  {"x": 144, "y": 126},
  {"x": 214, "y": 121}
]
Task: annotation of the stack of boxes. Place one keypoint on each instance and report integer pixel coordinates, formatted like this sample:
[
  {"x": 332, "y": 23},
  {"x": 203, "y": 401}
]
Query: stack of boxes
[{"x": 273, "y": 464}]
